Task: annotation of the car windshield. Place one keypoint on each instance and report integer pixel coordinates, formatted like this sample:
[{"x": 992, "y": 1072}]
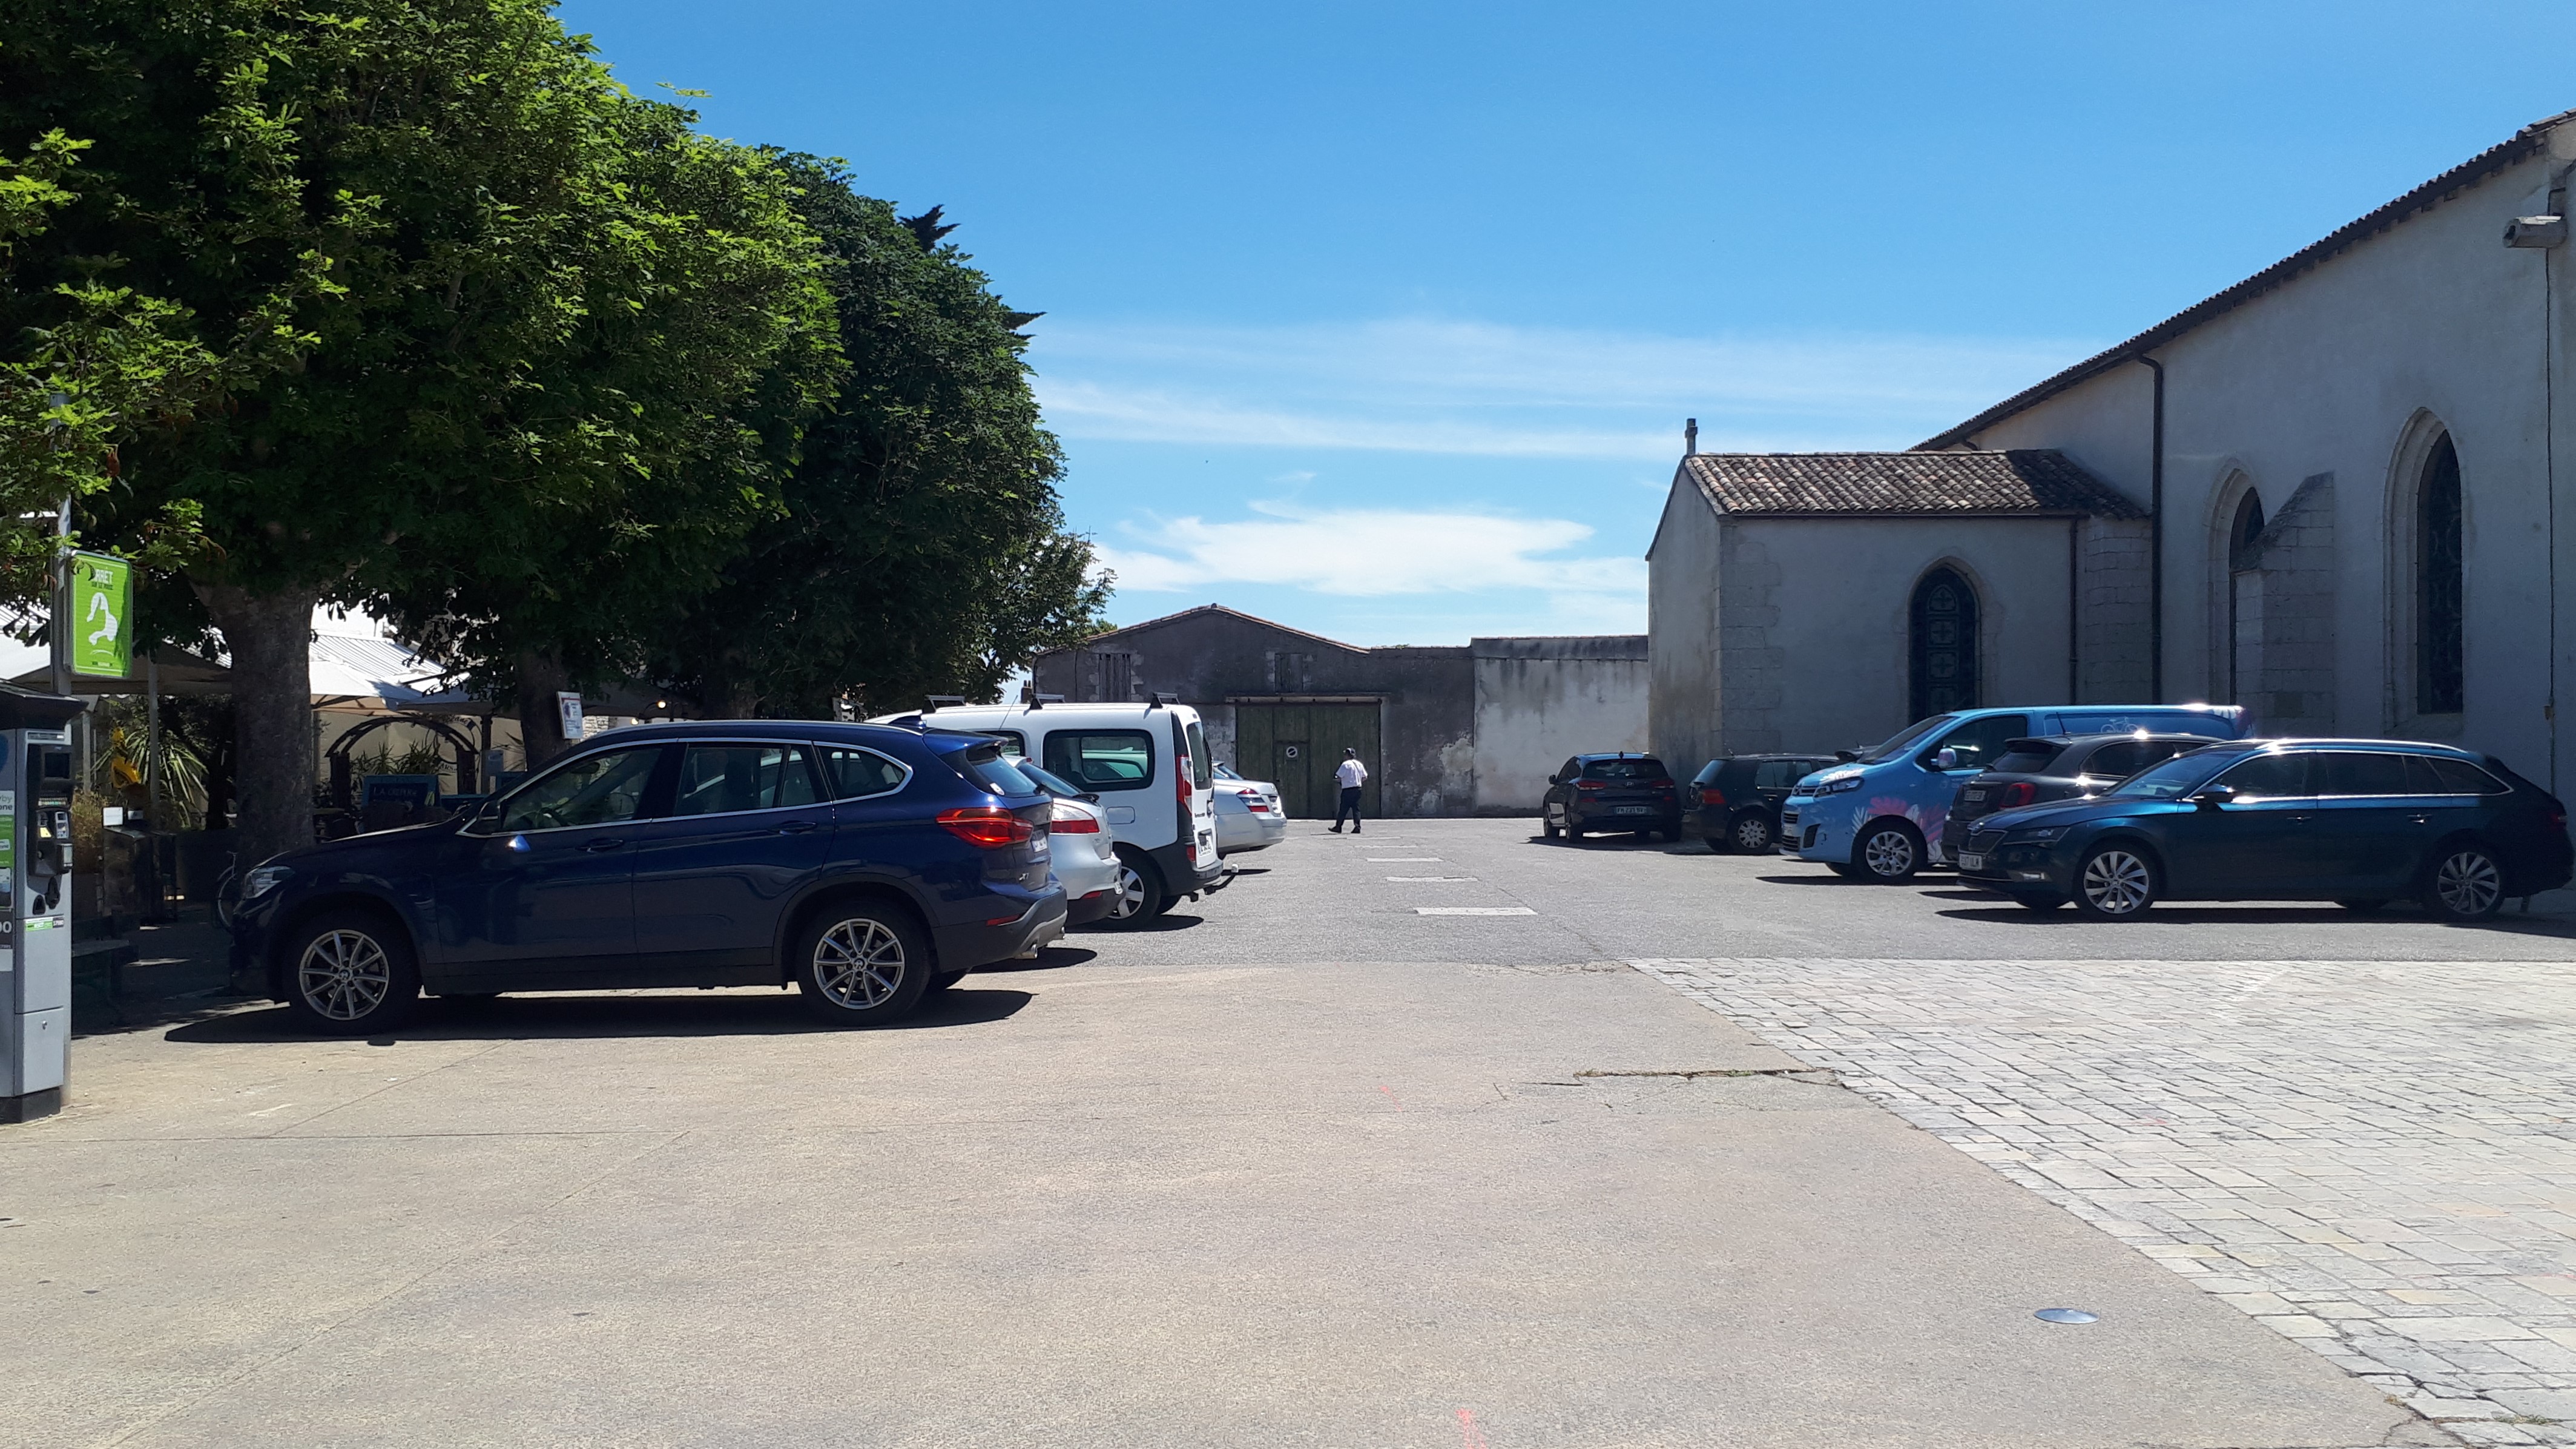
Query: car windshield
[
  {"x": 1903, "y": 740},
  {"x": 1640, "y": 767},
  {"x": 1050, "y": 783},
  {"x": 2176, "y": 777}
]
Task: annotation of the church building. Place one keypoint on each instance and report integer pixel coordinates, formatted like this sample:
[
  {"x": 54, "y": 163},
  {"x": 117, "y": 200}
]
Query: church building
[{"x": 2328, "y": 493}]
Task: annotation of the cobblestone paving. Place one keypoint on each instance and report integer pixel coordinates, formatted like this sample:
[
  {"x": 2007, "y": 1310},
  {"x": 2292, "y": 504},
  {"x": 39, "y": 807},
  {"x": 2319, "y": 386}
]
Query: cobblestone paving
[{"x": 2377, "y": 1159}]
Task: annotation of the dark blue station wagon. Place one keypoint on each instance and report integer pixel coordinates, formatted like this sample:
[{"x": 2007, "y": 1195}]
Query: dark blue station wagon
[
  {"x": 868, "y": 864},
  {"x": 2358, "y": 822}
]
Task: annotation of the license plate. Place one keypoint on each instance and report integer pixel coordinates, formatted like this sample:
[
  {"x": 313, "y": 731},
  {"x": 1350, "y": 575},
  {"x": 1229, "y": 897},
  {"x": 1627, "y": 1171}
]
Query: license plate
[
  {"x": 1972, "y": 794},
  {"x": 1972, "y": 860},
  {"x": 1636, "y": 810}
]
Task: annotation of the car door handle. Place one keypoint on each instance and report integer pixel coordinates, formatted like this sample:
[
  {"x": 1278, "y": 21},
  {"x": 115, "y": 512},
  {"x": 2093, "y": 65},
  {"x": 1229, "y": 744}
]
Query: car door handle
[
  {"x": 799, "y": 827},
  {"x": 600, "y": 847}
]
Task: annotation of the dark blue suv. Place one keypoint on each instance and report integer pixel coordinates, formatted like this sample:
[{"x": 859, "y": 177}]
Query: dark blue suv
[{"x": 868, "y": 864}]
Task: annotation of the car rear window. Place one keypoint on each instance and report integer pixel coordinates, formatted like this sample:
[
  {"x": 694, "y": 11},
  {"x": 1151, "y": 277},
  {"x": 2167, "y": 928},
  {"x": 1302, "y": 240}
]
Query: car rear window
[
  {"x": 1778, "y": 774},
  {"x": 2026, "y": 757},
  {"x": 1635, "y": 767},
  {"x": 855, "y": 772},
  {"x": 2441, "y": 775},
  {"x": 2120, "y": 761},
  {"x": 1102, "y": 759},
  {"x": 990, "y": 769}
]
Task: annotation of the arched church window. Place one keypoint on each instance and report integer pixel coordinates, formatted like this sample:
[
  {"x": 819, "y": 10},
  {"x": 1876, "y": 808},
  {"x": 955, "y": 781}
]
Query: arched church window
[
  {"x": 2441, "y": 658},
  {"x": 2242, "y": 534},
  {"x": 2243, "y": 612},
  {"x": 1943, "y": 656}
]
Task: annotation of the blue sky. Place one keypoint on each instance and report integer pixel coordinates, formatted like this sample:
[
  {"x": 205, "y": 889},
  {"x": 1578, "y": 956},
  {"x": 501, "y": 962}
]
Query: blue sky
[{"x": 1381, "y": 320}]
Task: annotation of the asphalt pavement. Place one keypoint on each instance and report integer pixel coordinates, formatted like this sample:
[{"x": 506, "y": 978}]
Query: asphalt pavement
[{"x": 1383, "y": 1145}]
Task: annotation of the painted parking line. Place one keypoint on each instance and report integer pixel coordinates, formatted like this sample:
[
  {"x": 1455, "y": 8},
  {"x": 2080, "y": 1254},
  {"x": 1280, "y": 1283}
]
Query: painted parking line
[
  {"x": 1473, "y": 911},
  {"x": 1401, "y": 859},
  {"x": 1427, "y": 879}
]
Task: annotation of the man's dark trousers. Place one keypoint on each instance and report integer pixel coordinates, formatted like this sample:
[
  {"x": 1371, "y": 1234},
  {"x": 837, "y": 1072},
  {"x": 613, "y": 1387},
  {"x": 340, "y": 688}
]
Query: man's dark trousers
[{"x": 1350, "y": 809}]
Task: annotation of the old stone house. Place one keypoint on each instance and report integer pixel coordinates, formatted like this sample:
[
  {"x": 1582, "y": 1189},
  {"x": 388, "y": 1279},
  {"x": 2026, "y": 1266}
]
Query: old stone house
[{"x": 2329, "y": 493}]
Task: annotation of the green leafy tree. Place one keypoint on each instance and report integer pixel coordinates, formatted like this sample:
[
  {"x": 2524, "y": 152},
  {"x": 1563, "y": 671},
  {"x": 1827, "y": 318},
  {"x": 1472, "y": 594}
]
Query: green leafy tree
[
  {"x": 921, "y": 546},
  {"x": 722, "y": 343},
  {"x": 439, "y": 193}
]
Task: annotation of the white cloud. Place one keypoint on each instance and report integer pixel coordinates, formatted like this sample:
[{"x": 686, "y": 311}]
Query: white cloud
[
  {"x": 1480, "y": 389},
  {"x": 1373, "y": 552}
]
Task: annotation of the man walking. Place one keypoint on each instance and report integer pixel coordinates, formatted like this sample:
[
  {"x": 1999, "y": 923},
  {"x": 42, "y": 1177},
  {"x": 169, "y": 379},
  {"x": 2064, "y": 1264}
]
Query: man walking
[{"x": 1352, "y": 774}]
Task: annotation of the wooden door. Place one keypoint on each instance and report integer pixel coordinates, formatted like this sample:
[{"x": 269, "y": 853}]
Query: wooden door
[{"x": 1301, "y": 745}]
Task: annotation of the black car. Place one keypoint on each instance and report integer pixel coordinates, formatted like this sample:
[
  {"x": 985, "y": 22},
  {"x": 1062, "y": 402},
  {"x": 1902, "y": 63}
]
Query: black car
[
  {"x": 2359, "y": 822},
  {"x": 2055, "y": 767},
  {"x": 1612, "y": 793},
  {"x": 1735, "y": 802},
  {"x": 866, "y": 863}
]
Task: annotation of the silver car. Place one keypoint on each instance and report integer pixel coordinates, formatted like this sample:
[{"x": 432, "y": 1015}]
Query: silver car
[
  {"x": 1248, "y": 816},
  {"x": 1086, "y": 854}
]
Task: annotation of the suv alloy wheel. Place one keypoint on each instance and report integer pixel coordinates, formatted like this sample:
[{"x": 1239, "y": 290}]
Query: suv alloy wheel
[
  {"x": 350, "y": 974},
  {"x": 861, "y": 964}
]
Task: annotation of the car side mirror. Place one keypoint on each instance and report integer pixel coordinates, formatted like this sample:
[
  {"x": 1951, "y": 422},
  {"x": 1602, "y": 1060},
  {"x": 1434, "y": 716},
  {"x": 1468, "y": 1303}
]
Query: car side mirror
[
  {"x": 1556, "y": 779},
  {"x": 2214, "y": 796},
  {"x": 1845, "y": 757},
  {"x": 1945, "y": 760}
]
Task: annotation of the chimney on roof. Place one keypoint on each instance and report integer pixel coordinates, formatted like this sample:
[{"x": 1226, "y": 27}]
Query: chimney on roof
[{"x": 1690, "y": 437}]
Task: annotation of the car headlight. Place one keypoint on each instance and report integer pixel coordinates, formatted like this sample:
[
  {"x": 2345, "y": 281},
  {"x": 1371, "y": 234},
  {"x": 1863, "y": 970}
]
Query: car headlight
[
  {"x": 1836, "y": 787},
  {"x": 2040, "y": 836},
  {"x": 263, "y": 880}
]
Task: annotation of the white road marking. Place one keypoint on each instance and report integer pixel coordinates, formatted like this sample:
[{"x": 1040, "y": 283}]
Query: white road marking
[
  {"x": 1427, "y": 879},
  {"x": 1400, "y": 859},
  {"x": 1473, "y": 911}
]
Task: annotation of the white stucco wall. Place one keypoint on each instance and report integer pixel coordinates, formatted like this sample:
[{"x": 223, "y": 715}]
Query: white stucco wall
[
  {"x": 1836, "y": 613},
  {"x": 2344, "y": 370},
  {"x": 1681, "y": 618},
  {"x": 1540, "y": 700}
]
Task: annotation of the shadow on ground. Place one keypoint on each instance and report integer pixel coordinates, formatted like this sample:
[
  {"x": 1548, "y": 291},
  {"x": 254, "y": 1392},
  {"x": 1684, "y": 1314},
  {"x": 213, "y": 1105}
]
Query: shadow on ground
[
  {"x": 1172, "y": 921},
  {"x": 2322, "y": 914},
  {"x": 516, "y": 1018}
]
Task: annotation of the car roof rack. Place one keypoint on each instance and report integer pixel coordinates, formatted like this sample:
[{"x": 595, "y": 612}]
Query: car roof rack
[
  {"x": 1035, "y": 700},
  {"x": 943, "y": 701},
  {"x": 1159, "y": 700}
]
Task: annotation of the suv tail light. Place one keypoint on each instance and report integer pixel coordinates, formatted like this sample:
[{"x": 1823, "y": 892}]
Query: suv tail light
[
  {"x": 1711, "y": 795},
  {"x": 2019, "y": 792},
  {"x": 1181, "y": 780},
  {"x": 989, "y": 827}
]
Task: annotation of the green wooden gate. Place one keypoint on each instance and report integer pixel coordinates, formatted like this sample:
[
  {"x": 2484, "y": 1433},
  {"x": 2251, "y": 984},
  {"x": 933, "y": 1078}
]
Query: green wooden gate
[{"x": 1301, "y": 744}]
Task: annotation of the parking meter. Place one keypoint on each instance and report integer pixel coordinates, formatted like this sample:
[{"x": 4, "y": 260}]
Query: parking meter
[{"x": 35, "y": 900}]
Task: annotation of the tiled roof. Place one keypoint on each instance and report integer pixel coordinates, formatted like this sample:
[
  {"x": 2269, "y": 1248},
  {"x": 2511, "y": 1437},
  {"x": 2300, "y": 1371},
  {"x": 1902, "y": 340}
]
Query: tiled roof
[
  {"x": 2528, "y": 141},
  {"x": 2020, "y": 480}
]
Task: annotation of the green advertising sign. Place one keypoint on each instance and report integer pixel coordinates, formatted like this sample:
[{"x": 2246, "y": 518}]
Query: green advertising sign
[{"x": 101, "y": 604}]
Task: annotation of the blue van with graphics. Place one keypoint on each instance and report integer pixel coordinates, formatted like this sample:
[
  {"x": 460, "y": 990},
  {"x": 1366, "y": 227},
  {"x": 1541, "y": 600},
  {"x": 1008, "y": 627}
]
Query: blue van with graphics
[{"x": 1878, "y": 815}]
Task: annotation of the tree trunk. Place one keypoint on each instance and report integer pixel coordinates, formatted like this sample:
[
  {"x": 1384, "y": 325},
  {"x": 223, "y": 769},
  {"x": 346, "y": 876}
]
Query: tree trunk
[
  {"x": 541, "y": 738},
  {"x": 271, "y": 640}
]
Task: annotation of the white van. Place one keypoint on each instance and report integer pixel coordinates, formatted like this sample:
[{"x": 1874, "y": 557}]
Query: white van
[{"x": 1149, "y": 765}]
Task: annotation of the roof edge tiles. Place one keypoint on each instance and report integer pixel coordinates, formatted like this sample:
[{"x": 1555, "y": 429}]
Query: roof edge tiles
[
  {"x": 2013, "y": 483},
  {"x": 2522, "y": 144}
]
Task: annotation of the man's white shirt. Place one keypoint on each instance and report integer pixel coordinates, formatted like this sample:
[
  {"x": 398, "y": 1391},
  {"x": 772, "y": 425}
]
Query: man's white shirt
[{"x": 1351, "y": 774}]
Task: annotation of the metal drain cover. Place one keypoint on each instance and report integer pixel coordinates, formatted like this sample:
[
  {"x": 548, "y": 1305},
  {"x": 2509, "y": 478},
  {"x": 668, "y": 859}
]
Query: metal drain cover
[{"x": 2064, "y": 1315}]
